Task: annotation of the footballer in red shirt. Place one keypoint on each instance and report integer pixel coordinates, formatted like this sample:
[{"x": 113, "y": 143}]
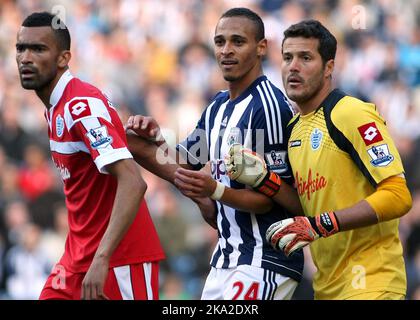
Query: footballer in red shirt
[{"x": 112, "y": 249}]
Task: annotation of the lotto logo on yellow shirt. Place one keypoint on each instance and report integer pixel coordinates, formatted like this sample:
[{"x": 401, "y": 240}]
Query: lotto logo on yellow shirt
[{"x": 370, "y": 133}]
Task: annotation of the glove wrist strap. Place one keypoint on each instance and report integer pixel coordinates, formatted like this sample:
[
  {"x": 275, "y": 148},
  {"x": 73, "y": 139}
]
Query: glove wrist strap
[
  {"x": 325, "y": 224},
  {"x": 270, "y": 185}
]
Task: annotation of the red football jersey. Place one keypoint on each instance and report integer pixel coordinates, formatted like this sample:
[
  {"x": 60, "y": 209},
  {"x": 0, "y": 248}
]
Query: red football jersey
[{"x": 86, "y": 134}]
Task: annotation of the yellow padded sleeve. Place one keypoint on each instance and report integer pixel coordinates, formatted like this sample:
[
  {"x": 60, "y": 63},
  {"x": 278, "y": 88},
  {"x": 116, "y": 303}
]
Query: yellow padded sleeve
[{"x": 391, "y": 200}]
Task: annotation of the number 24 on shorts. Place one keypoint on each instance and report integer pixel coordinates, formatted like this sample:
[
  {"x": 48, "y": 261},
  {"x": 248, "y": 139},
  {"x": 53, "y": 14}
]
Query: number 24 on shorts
[{"x": 251, "y": 292}]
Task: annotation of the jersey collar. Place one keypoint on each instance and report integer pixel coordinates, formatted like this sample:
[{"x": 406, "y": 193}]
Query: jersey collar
[
  {"x": 248, "y": 90},
  {"x": 59, "y": 87},
  {"x": 331, "y": 100}
]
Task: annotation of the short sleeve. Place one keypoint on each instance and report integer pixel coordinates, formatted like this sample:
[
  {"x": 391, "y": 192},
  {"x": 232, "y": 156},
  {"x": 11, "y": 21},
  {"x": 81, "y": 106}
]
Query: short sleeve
[
  {"x": 369, "y": 141},
  {"x": 271, "y": 138},
  {"x": 98, "y": 126}
]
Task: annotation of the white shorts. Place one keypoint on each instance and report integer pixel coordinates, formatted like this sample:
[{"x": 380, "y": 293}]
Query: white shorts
[{"x": 247, "y": 282}]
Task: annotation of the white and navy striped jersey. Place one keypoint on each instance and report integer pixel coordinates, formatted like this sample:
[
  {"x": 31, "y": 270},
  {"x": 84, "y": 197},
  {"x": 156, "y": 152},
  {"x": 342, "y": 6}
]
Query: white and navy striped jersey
[{"x": 256, "y": 119}]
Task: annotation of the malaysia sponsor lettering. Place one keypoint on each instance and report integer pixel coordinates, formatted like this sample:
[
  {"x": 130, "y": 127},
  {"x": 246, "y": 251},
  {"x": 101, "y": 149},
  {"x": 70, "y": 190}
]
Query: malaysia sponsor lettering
[
  {"x": 64, "y": 172},
  {"x": 311, "y": 185}
]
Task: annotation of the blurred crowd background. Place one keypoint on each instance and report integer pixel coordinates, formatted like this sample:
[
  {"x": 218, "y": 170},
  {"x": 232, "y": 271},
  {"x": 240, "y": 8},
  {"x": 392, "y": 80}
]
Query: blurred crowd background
[{"x": 155, "y": 57}]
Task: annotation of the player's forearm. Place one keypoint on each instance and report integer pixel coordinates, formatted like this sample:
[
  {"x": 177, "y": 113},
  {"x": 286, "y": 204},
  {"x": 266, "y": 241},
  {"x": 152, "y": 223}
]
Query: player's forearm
[
  {"x": 358, "y": 216},
  {"x": 161, "y": 160},
  {"x": 208, "y": 210},
  {"x": 288, "y": 198},
  {"x": 246, "y": 200},
  {"x": 130, "y": 191}
]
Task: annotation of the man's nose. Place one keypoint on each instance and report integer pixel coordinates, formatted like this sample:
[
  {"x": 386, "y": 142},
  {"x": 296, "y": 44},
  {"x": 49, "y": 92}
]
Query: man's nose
[
  {"x": 227, "y": 48},
  {"x": 294, "y": 65},
  {"x": 25, "y": 56}
]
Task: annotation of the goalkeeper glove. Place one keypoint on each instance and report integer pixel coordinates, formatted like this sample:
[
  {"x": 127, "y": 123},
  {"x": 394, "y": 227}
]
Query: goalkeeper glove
[
  {"x": 247, "y": 167},
  {"x": 292, "y": 234}
]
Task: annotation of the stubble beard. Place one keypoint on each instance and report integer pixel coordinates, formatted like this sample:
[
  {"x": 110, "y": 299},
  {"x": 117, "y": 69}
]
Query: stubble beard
[
  {"x": 308, "y": 94},
  {"x": 230, "y": 78},
  {"x": 38, "y": 83}
]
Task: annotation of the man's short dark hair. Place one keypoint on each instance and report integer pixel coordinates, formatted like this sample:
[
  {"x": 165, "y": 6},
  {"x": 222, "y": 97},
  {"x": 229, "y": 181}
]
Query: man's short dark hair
[
  {"x": 251, "y": 15},
  {"x": 314, "y": 29},
  {"x": 46, "y": 19}
]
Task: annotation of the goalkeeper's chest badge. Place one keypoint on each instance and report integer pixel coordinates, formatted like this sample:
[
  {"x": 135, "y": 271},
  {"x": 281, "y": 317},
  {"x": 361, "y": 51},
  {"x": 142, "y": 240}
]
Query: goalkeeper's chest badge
[
  {"x": 234, "y": 136},
  {"x": 316, "y": 139},
  {"x": 276, "y": 161}
]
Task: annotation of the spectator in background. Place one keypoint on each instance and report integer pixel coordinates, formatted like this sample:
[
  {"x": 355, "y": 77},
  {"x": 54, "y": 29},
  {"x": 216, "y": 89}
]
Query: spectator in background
[
  {"x": 12, "y": 137},
  {"x": 35, "y": 175},
  {"x": 53, "y": 240},
  {"x": 26, "y": 265},
  {"x": 173, "y": 288},
  {"x": 16, "y": 216}
]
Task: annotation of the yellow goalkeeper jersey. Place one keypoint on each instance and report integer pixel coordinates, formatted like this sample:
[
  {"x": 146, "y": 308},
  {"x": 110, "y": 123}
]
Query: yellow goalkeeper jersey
[{"x": 338, "y": 154}]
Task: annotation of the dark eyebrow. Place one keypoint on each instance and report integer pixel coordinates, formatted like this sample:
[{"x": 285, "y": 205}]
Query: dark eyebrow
[
  {"x": 305, "y": 52},
  {"x": 237, "y": 36},
  {"x": 233, "y": 37},
  {"x": 299, "y": 52},
  {"x": 31, "y": 46}
]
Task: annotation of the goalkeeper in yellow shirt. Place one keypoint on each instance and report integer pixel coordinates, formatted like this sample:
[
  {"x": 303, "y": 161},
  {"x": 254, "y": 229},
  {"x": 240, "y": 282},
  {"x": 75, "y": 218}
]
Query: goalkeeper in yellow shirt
[{"x": 348, "y": 174}]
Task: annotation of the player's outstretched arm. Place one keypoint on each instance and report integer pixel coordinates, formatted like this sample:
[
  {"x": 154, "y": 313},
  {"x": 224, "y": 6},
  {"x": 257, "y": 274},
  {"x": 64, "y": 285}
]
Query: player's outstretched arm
[
  {"x": 150, "y": 149},
  {"x": 195, "y": 184},
  {"x": 247, "y": 167},
  {"x": 391, "y": 200},
  {"x": 125, "y": 208}
]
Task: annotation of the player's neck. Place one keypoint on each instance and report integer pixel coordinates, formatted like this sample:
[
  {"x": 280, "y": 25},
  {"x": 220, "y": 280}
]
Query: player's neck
[
  {"x": 236, "y": 88},
  {"x": 312, "y": 104},
  {"x": 45, "y": 93}
]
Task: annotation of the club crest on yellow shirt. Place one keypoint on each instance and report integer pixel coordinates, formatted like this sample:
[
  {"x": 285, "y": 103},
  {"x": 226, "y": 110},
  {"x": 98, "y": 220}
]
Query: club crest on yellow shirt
[{"x": 316, "y": 138}]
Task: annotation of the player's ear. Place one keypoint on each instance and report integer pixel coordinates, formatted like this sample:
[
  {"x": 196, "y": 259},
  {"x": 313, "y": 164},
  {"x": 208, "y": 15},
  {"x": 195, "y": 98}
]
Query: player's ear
[
  {"x": 64, "y": 59},
  {"x": 262, "y": 48},
  {"x": 329, "y": 68}
]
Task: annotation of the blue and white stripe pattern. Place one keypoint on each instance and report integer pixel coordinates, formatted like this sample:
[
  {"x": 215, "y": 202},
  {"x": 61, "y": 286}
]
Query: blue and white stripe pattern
[{"x": 260, "y": 108}]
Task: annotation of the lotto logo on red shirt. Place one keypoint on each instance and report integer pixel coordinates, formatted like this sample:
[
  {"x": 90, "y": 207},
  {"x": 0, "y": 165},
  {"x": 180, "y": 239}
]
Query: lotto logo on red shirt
[
  {"x": 79, "y": 108},
  {"x": 370, "y": 133}
]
